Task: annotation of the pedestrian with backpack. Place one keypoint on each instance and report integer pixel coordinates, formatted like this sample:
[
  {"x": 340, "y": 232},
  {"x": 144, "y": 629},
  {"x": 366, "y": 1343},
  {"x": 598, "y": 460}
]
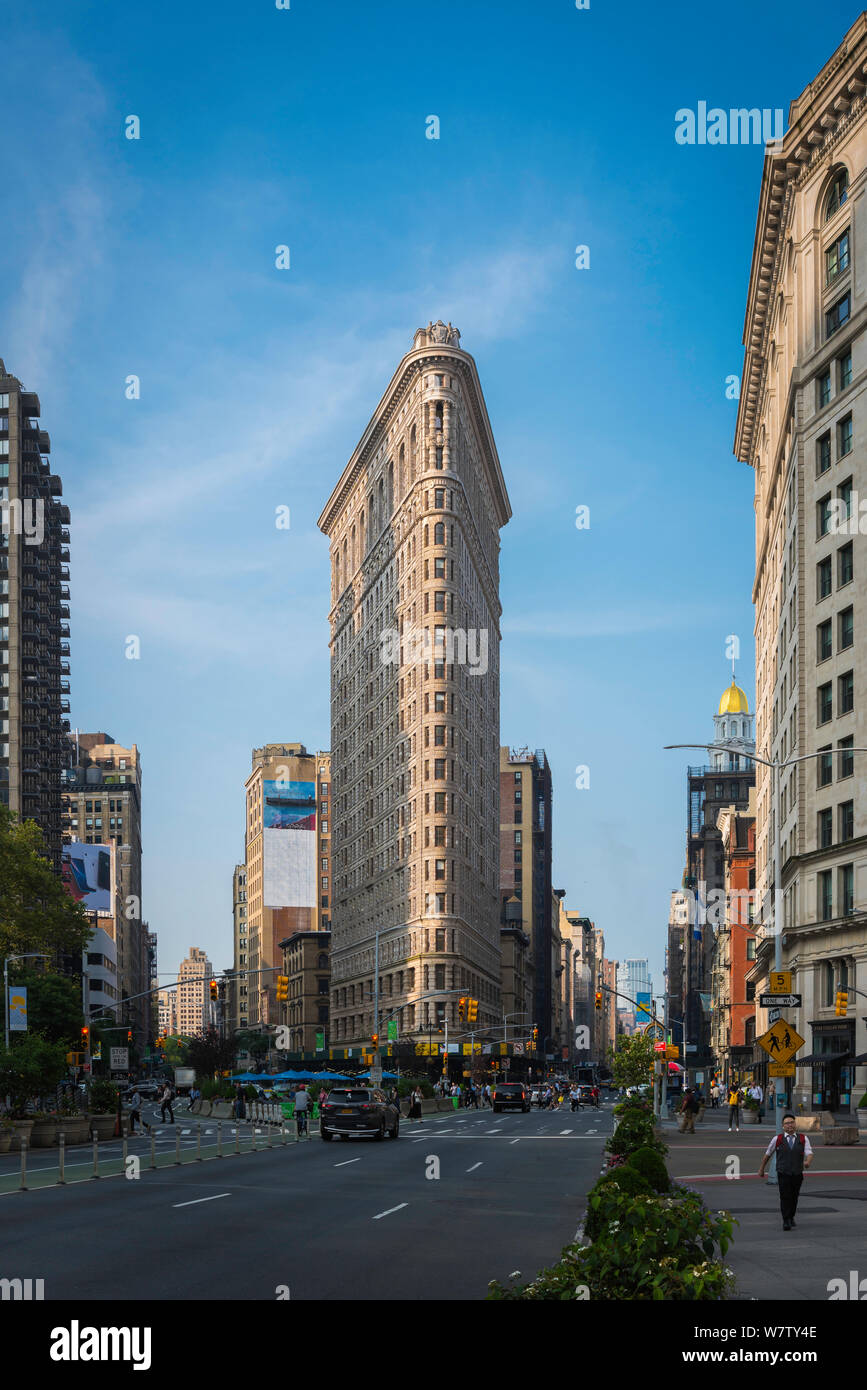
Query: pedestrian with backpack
[
  {"x": 734, "y": 1100},
  {"x": 794, "y": 1155},
  {"x": 689, "y": 1109}
]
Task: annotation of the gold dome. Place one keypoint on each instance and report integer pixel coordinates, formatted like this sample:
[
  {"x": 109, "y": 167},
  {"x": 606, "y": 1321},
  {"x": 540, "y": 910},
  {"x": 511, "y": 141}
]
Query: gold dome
[{"x": 734, "y": 701}]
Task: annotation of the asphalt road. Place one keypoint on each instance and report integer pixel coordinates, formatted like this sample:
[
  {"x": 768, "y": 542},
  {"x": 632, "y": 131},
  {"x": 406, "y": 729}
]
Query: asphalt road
[{"x": 351, "y": 1219}]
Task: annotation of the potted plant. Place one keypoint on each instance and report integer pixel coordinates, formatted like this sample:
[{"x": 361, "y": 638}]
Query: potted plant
[
  {"x": 102, "y": 1107},
  {"x": 861, "y": 1112},
  {"x": 28, "y": 1068},
  {"x": 44, "y": 1131},
  {"x": 751, "y": 1110},
  {"x": 74, "y": 1126}
]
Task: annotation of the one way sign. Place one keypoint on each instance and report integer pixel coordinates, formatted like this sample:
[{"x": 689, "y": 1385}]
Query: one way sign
[{"x": 776, "y": 1001}]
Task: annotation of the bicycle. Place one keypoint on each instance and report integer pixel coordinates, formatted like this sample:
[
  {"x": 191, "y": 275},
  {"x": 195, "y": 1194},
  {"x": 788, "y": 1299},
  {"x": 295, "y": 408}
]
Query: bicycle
[{"x": 301, "y": 1122}]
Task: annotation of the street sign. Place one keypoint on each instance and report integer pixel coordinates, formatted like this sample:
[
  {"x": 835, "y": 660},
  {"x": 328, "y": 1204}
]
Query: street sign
[
  {"x": 781, "y": 1069},
  {"x": 774, "y": 1014},
  {"x": 392, "y": 1029},
  {"x": 780, "y": 981},
  {"x": 518, "y": 1048},
  {"x": 119, "y": 1059},
  {"x": 781, "y": 1041},
  {"x": 672, "y": 1052},
  {"x": 780, "y": 1001},
  {"x": 376, "y": 1076},
  {"x": 659, "y": 1046},
  {"x": 691, "y": 1047},
  {"x": 506, "y": 1062}
]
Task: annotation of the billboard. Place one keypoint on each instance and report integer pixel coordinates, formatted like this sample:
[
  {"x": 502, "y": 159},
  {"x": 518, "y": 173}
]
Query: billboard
[
  {"x": 86, "y": 874},
  {"x": 289, "y": 844}
]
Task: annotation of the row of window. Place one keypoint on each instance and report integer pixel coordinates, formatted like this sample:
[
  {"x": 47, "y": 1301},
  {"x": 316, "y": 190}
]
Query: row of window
[
  {"x": 845, "y": 761},
  {"x": 845, "y": 571},
  {"x": 845, "y": 892},
  {"x": 845, "y": 634},
  {"x": 845, "y": 824},
  {"x": 845, "y": 697}
]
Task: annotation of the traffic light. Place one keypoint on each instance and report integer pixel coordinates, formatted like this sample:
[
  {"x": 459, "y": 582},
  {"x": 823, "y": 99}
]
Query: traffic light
[
  {"x": 85, "y": 1038},
  {"x": 472, "y": 1010},
  {"x": 374, "y": 1038},
  {"x": 214, "y": 990},
  {"x": 841, "y": 1003},
  {"x": 462, "y": 1007},
  {"x": 535, "y": 1034},
  {"x": 599, "y": 998},
  {"x": 282, "y": 988},
  {"x": 129, "y": 1035}
]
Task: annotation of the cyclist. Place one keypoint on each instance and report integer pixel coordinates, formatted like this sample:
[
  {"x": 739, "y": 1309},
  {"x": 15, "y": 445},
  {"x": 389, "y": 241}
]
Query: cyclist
[{"x": 301, "y": 1109}]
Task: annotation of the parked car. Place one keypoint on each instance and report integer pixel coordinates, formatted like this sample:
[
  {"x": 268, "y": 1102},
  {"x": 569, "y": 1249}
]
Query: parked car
[
  {"x": 510, "y": 1095},
  {"x": 358, "y": 1110}
]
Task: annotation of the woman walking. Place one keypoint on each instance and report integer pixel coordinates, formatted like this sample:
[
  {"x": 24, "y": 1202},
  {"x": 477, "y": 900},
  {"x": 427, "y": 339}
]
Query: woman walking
[{"x": 415, "y": 1105}]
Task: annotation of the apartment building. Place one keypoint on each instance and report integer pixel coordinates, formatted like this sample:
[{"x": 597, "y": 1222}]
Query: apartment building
[
  {"x": 413, "y": 526},
  {"x": 193, "y": 993},
  {"x": 802, "y": 428},
  {"x": 34, "y": 617},
  {"x": 525, "y": 874}
]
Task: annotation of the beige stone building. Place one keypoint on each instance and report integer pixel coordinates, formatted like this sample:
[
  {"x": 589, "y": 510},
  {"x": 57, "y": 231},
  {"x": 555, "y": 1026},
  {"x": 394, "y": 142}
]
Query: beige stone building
[
  {"x": 237, "y": 982},
  {"x": 413, "y": 525},
  {"x": 802, "y": 427},
  {"x": 307, "y": 967},
  {"x": 193, "y": 993},
  {"x": 168, "y": 1012},
  {"x": 288, "y": 867}
]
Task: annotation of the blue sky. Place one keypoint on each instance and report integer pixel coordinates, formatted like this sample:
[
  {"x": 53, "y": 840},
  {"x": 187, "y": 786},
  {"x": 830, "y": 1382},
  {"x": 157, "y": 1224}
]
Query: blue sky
[{"x": 605, "y": 386}]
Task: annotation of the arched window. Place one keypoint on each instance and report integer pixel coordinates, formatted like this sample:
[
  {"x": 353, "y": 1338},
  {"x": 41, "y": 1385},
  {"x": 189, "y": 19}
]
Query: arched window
[
  {"x": 837, "y": 194},
  {"x": 439, "y": 534}
]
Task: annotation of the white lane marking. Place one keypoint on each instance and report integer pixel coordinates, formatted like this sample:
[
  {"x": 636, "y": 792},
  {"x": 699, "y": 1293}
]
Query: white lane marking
[
  {"x": 494, "y": 1131},
  {"x": 474, "y": 1167},
  {"x": 202, "y": 1199},
  {"x": 347, "y": 1160},
  {"x": 592, "y": 1131},
  {"x": 515, "y": 1141},
  {"x": 399, "y": 1207},
  {"x": 565, "y": 1131},
  {"x": 185, "y": 1131}
]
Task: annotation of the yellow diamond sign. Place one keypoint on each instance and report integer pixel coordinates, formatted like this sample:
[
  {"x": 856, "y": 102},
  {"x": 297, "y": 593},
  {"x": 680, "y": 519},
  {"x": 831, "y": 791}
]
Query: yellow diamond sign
[{"x": 781, "y": 1042}]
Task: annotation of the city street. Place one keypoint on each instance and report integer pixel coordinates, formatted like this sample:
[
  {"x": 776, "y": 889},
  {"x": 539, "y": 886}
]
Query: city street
[{"x": 351, "y": 1220}]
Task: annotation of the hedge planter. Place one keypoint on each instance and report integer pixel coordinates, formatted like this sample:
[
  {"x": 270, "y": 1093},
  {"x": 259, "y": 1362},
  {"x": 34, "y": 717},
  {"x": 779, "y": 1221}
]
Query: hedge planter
[
  {"x": 20, "y": 1130},
  {"x": 751, "y": 1117},
  {"x": 75, "y": 1129},
  {"x": 102, "y": 1126},
  {"x": 44, "y": 1133}
]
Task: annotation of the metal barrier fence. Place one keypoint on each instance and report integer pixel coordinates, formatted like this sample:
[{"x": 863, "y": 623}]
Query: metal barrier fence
[{"x": 133, "y": 1162}]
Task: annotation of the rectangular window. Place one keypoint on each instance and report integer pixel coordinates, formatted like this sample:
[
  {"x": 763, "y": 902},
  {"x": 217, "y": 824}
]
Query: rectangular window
[
  {"x": 825, "y": 896},
  {"x": 439, "y": 868},
  {"x": 846, "y": 628},
  {"x": 844, "y": 436},
  {"x": 439, "y": 769},
  {"x": 823, "y": 515},
  {"x": 751, "y": 948},
  {"x": 439, "y": 603},
  {"x": 845, "y": 566},
  {"x": 440, "y": 735},
  {"x": 440, "y": 803},
  {"x": 439, "y": 835},
  {"x": 823, "y": 392},
  {"x": 439, "y": 497},
  {"x": 439, "y": 702},
  {"x": 439, "y": 568},
  {"x": 323, "y": 788},
  {"x": 847, "y": 889},
  {"x": 826, "y": 828},
  {"x": 846, "y": 692},
  {"x": 824, "y": 703},
  {"x": 837, "y": 315},
  {"x": 518, "y": 837},
  {"x": 837, "y": 258},
  {"x": 823, "y": 453},
  {"x": 844, "y": 494},
  {"x": 825, "y": 767},
  {"x": 439, "y": 977},
  {"x": 823, "y": 640},
  {"x": 846, "y": 760},
  {"x": 823, "y": 578},
  {"x": 844, "y": 370},
  {"x": 846, "y": 820},
  {"x": 518, "y": 795}
]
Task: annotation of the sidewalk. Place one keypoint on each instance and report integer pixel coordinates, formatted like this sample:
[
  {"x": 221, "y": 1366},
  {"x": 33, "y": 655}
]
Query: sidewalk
[{"x": 830, "y": 1238}]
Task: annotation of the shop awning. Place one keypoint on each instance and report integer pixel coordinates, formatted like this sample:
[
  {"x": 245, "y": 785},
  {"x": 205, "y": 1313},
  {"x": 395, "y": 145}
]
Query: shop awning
[
  {"x": 859, "y": 1060},
  {"x": 816, "y": 1059}
]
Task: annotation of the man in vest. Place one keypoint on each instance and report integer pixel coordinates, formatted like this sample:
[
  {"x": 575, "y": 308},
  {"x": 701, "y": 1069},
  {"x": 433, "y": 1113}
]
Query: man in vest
[{"x": 794, "y": 1155}]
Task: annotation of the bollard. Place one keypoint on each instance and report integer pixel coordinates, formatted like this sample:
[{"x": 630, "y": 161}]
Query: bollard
[
  {"x": 23, "y": 1164},
  {"x": 153, "y": 1150},
  {"x": 238, "y": 1137},
  {"x": 123, "y": 1153},
  {"x": 95, "y": 1173},
  {"x": 178, "y": 1147},
  {"x": 283, "y": 1133},
  {"x": 61, "y": 1155},
  {"x": 199, "y": 1144},
  {"x": 268, "y": 1141},
  {"x": 253, "y": 1137},
  {"x": 219, "y": 1139}
]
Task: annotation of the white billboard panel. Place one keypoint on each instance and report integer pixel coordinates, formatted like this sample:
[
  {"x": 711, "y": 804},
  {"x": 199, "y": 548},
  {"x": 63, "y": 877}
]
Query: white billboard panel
[{"x": 289, "y": 868}]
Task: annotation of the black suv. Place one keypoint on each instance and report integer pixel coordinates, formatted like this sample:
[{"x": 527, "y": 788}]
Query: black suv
[
  {"x": 511, "y": 1095},
  {"x": 358, "y": 1110}
]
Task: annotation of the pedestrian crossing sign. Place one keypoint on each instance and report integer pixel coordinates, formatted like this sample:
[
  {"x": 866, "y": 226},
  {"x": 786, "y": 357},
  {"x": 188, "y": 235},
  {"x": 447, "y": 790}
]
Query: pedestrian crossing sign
[{"x": 781, "y": 1041}]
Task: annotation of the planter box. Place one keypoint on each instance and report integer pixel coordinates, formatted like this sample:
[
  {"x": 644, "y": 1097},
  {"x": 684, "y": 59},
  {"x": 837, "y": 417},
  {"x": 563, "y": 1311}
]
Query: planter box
[
  {"x": 44, "y": 1134},
  {"x": 861, "y": 1112},
  {"x": 74, "y": 1128},
  {"x": 20, "y": 1130},
  {"x": 750, "y": 1117},
  {"x": 840, "y": 1134},
  {"x": 5, "y": 1140},
  {"x": 102, "y": 1126}
]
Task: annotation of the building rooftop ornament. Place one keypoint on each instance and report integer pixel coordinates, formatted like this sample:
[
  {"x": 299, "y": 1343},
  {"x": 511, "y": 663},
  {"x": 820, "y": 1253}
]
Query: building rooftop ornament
[
  {"x": 734, "y": 701},
  {"x": 437, "y": 333}
]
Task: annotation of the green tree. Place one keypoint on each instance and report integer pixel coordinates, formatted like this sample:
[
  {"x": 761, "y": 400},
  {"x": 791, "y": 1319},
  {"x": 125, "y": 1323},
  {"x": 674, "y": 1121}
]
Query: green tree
[
  {"x": 53, "y": 1005},
  {"x": 30, "y": 1067},
  {"x": 254, "y": 1043},
  {"x": 36, "y": 912},
  {"x": 209, "y": 1053},
  {"x": 632, "y": 1061}
]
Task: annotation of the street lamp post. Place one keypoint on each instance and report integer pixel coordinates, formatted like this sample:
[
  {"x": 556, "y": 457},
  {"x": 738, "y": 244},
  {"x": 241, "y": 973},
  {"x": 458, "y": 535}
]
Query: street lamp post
[{"x": 776, "y": 768}]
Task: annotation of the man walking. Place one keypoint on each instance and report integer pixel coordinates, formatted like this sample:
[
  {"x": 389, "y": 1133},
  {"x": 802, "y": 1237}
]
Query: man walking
[
  {"x": 757, "y": 1094},
  {"x": 688, "y": 1108},
  {"x": 794, "y": 1155},
  {"x": 166, "y": 1104},
  {"x": 734, "y": 1107},
  {"x": 135, "y": 1111}
]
